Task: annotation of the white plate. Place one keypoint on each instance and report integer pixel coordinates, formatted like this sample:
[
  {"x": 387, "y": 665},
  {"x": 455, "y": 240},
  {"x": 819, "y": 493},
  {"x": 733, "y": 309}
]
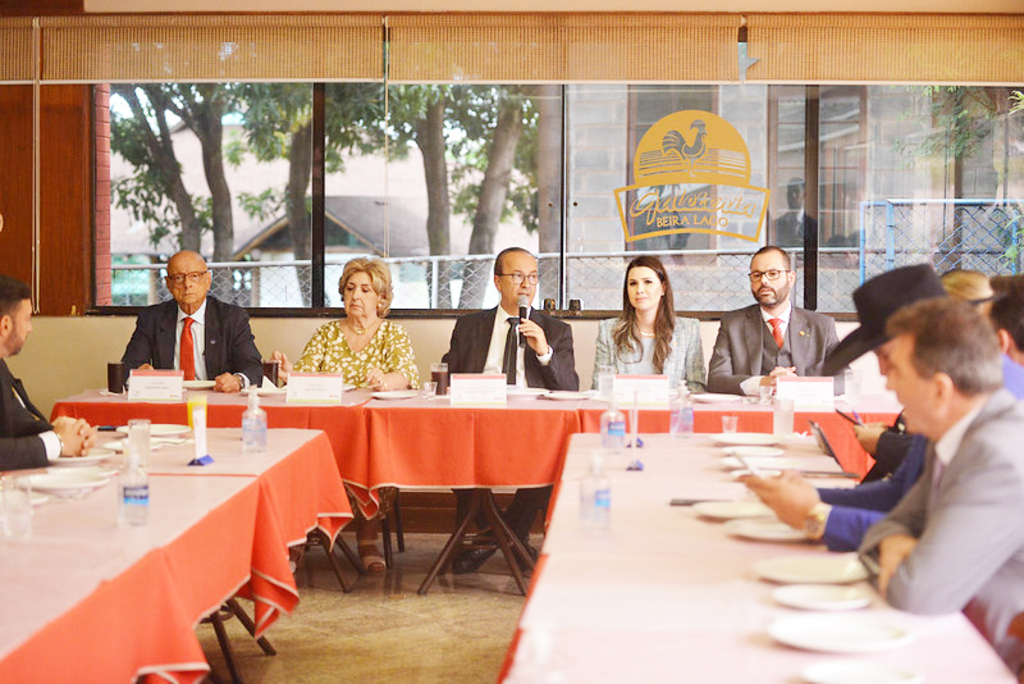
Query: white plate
[
  {"x": 396, "y": 394},
  {"x": 95, "y": 456},
  {"x": 822, "y": 596},
  {"x": 67, "y": 482},
  {"x": 526, "y": 392},
  {"x": 161, "y": 429},
  {"x": 562, "y": 395},
  {"x": 859, "y": 672},
  {"x": 761, "y": 462},
  {"x": 819, "y": 569},
  {"x": 841, "y": 633},
  {"x": 37, "y": 498},
  {"x": 154, "y": 442},
  {"x": 199, "y": 384},
  {"x": 270, "y": 389},
  {"x": 105, "y": 472},
  {"x": 730, "y": 510},
  {"x": 746, "y": 438},
  {"x": 764, "y": 529},
  {"x": 763, "y": 472},
  {"x": 756, "y": 451},
  {"x": 712, "y": 398}
]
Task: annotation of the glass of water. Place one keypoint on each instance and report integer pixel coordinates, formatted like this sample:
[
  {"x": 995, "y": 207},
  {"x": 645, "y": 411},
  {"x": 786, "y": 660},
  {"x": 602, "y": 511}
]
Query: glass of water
[
  {"x": 605, "y": 382},
  {"x": 17, "y": 506},
  {"x": 782, "y": 417}
]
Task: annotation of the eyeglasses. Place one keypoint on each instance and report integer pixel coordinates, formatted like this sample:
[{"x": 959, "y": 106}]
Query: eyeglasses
[
  {"x": 770, "y": 275},
  {"x": 179, "y": 278},
  {"x": 518, "y": 278}
]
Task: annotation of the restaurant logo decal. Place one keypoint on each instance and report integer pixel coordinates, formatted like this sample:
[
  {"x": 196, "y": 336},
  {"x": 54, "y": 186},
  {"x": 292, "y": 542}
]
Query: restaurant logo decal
[{"x": 692, "y": 173}]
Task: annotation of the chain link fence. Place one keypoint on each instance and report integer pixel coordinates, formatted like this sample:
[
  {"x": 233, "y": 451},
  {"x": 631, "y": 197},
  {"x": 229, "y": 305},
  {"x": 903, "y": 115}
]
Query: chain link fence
[{"x": 982, "y": 235}]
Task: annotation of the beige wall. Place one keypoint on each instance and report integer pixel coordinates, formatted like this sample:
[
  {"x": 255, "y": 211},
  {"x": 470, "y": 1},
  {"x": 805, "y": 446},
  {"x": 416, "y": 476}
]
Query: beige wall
[{"x": 67, "y": 355}]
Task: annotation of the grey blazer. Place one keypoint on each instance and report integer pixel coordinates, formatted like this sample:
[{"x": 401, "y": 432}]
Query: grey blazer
[
  {"x": 738, "y": 347},
  {"x": 685, "y": 361},
  {"x": 970, "y": 531}
]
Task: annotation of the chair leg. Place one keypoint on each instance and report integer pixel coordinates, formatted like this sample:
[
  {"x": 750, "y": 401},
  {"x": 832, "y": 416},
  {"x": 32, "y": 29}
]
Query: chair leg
[
  {"x": 225, "y": 645},
  {"x": 350, "y": 555},
  {"x": 453, "y": 543},
  {"x": 249, "y": 625},
  {"x": 318, "y": 538},
  {"x": 396, "y": 513},
  {"x": 385, "y": 531}
]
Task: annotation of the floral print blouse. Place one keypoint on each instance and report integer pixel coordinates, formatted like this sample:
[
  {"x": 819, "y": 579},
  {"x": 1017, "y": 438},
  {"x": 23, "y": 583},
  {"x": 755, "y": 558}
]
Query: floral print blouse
[{"x": 390, "y": 349}]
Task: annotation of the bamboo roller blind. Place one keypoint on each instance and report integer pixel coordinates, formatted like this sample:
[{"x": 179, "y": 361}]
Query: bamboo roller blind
[
  {"x": 16, "y": 50},
  {"x": 532, "y": 47},
  {"x": 962, "y": 49},
  {"x": 190, "y": 48}
]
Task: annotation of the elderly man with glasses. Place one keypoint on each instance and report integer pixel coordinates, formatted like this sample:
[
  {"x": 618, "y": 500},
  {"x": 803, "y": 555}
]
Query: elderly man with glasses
[
  {"x": 200, "y": 335},
  {"x": 772, "y": 338}
]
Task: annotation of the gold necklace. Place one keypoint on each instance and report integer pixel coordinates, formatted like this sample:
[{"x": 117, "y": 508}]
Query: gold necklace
[
  {"x": 359, "y": 331},
  {"x": 646, "y": 334}
]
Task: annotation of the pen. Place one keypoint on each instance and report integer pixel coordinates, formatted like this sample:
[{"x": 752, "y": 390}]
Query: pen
[
  {"x": 750, "y": 468},
  {"x": 856, "y": 415}
]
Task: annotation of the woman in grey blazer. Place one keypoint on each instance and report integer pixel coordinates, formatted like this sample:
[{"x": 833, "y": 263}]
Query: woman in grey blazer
[{"x": 647, "y": 338}]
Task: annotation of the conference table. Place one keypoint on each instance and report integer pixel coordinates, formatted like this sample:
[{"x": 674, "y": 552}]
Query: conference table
[
  {"x": 88, "y": 600},
  {"x": 425, "y": 443},
  {"x": 668, "y": 595}
]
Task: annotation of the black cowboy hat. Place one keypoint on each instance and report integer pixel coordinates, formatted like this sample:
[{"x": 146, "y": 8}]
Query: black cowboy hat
[{"x": 876, "y": 300}]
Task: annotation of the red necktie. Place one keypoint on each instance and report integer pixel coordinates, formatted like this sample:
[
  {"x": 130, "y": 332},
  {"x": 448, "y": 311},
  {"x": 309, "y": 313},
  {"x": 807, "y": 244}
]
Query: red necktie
[
  {"x": 187, "y": 352},
  {"x": 777, "y": 331}
]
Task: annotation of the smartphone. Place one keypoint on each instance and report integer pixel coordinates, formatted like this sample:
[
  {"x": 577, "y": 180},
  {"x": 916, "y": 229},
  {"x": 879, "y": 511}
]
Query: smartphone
[{"x": 855, "y": 421}]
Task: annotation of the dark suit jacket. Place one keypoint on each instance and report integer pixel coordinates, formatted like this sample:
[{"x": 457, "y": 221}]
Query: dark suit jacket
[
  {"x": 738, "y": 348},
  {"x": 229, "y": 343},
  {"x": 19, "y": 446},
  {"x": 467, "y": 352}
]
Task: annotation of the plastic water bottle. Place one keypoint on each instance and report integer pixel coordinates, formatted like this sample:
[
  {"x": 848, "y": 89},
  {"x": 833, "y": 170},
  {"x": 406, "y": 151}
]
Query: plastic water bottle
[
  {"x": 595, "y": 498},
  {"x": 254, "y": 427},
  {"x": 682, "y": 413},
  {"x": 613, "y": 430},
  {"x": 133, "y": 505}
]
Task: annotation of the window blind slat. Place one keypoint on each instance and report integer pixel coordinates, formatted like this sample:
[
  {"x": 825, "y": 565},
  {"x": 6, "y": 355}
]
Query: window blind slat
[{"x": 16, "y": 50}]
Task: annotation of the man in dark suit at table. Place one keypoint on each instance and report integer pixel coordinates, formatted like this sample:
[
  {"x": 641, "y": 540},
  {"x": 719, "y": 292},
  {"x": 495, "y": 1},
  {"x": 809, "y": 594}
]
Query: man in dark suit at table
[
  {"x": 27, "y": 440},
  {"x": 489, "y": 341},
  {"x": 215, "y": 336},
  {"x": 772, "y": 338}
]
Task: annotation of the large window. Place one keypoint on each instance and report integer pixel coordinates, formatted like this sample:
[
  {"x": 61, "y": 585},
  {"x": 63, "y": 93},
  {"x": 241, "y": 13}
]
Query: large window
[{"x": 437, "y": 178}]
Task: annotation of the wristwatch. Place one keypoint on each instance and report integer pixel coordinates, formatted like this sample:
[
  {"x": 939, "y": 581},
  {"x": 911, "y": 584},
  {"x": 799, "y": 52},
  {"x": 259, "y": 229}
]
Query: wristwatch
[{"x": 814, "y": 524}]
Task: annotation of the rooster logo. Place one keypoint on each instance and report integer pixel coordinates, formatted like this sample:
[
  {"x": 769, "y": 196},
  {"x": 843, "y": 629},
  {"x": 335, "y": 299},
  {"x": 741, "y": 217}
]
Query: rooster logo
[{"x": 674, "y": 144}]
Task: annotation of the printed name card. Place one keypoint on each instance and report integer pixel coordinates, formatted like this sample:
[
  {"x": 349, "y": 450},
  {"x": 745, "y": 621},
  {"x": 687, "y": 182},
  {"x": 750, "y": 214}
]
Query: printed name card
[
  {"x": 315, "y": 388},
  {"x": 155, "y": 385},
  {"x": 807, "y": 393},
  {"x": 477, "y": 389},
  {"x": 651, "y": 391}
]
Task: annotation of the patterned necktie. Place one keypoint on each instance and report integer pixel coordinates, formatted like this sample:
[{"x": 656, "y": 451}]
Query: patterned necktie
[
  {"x": 187, "y": 353},
  {"x": 511, "y": 351},
  {"x": 777, "y": 331}
]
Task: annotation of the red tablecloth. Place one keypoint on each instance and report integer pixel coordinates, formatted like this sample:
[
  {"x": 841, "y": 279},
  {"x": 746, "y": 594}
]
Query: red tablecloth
[{"x": 212, "y": 532}]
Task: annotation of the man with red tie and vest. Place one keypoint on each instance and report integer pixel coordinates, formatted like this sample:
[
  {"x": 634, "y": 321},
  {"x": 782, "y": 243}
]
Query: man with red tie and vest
[
  {"x": 770, "y": 339},
  {"x": 199, "y": 335}
]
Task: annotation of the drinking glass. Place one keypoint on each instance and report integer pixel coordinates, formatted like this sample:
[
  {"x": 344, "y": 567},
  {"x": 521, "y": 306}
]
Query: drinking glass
[
  {"x": 429, "y": 389},
  {"x": 764, "y": 393},
  {"x": 729, "y": 423},
  {"x": 17, "y": 506},
  {"x": 195, "y": 399},
  {"x": 439, "y": 374},
  {"x": 782, "y": 417},
  {"x": 138, "y": 438},
  {"x": 851, "y": 385},
  {"x": 271, "y": 370},
  {"x": 115, "y": 378},
  {"x": 605, "y": 382}
]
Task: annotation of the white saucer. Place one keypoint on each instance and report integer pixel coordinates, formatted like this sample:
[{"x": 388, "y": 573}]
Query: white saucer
[
  {"x": 67, "y": 483},
  {"x": 858, "y": 672},
  {"x": 198, "y": 384},
  {"x": 756, "y": 451},
  {"x": 822, "y": 596},
  {"x": 841, "y": 633},
  {"x": 764, "y": 529},
  {"x": 561, "y": 395},
  {"x": 730, "y": 510},
  {"x": 712, "y": 398},
  {"x": 160, "y": 429},
  {"x": 746, "y": 438},
  {"x": 761, "y": 462},
  {"x": 95, "y": 456},
  {"x": 396, "y": 394},
  {"x": 817, "y": 569},
  {"x": 525, "y": 392}
]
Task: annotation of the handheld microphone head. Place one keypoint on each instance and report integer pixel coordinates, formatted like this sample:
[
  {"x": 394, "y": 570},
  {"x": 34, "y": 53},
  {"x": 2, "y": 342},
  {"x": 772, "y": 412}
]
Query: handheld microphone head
[{"x": 524, "y": 304}]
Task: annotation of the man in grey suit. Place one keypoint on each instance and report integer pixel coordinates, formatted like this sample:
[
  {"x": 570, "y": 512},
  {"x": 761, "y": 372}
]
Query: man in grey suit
[
  {"x": 770, "y": 339},
  {"x": 956, "y": 540}
]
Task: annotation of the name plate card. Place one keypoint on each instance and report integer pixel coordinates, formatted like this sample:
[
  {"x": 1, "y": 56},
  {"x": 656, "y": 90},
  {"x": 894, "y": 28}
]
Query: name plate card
[
  {"x": 315, "y": 388},
  {"x": 651, "y": 391},
  {"x": 807, "y": 393},
  {"x": 477, "y": 389},
  {"x": 155, "y": 385}
]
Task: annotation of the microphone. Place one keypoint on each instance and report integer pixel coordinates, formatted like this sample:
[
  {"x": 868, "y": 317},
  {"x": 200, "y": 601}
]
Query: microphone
[{"x": 524, "y": 304}]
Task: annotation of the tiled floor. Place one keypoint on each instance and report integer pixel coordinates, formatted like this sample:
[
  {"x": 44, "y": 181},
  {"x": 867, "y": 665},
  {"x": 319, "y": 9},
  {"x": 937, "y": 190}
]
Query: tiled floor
[{"x": 384, "y": 631}]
